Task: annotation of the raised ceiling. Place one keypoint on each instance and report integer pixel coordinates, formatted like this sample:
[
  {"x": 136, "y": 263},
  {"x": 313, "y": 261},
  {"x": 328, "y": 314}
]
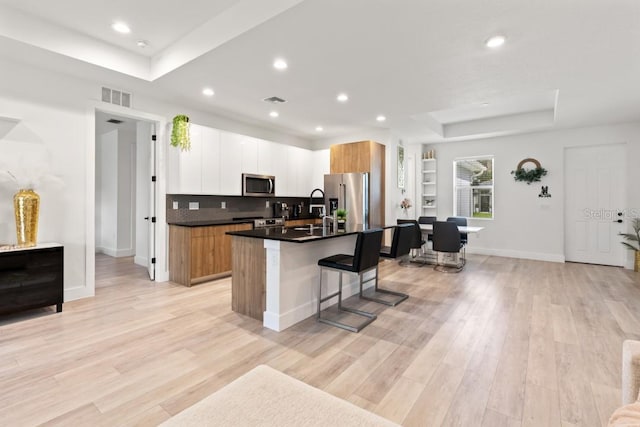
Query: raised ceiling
[{"x": 422, "y": 64}]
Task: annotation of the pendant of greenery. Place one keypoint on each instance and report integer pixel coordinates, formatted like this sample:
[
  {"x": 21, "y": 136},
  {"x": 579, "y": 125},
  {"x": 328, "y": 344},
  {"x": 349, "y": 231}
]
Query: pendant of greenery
[
  {"x": 180, "y": 133},
  {"x": 633, "y": 237},
  {"x": 529, "y": 175}
]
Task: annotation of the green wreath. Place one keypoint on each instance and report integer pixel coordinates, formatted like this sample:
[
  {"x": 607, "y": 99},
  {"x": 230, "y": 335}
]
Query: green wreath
[{"x": 529, "y": 175}]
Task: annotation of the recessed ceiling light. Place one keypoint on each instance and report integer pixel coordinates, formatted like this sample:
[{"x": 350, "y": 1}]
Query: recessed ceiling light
[
  {"x": 381, "y": 118},
  {"x": 342, "y": 97},
  {"x": 208, "y": 91},
  {"x": 142, "y": 43},
  {"x": 495, "y": 41},
  {"x": 319, "y": 128},
  {"x": 280, "y": 64},
  {"x": 274, "y": 114},
  {"x": 121, "y": 27},
  {"x": 485, "y": 104}
]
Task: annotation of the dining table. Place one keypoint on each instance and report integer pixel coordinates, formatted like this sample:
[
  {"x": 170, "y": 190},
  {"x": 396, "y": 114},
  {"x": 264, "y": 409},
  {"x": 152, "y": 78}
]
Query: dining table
[{"x": 428, "y": 229}]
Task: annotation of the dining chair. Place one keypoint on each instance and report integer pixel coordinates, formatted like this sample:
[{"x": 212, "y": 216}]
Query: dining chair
[
  {"x": 460, "y": 222},
  {"x": 417, "y": 242},
  {"x": 446, "y": 239},
  {"x": 427, "y": 220}
]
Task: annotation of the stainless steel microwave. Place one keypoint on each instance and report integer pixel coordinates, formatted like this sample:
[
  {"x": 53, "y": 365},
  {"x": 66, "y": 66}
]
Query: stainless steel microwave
[{"x": 258, "y": 185}]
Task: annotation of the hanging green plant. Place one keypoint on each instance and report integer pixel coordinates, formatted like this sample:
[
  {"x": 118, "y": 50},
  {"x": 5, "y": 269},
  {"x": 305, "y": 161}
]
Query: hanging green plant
[
  {"x": 180, "y": 133},
  {"x": 529, "y": 175}
]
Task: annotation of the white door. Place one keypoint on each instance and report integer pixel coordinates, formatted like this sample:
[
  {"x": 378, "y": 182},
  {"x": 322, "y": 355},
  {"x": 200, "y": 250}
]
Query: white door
[
  {"x": 594, "y": 203},
  {"x": 151, "y": 263}
]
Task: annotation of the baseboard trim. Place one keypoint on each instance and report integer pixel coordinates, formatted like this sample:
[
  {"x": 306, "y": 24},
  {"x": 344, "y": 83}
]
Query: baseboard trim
[
  {"x": 537, "y": 256},
  {"x": 116, "y": 253}
]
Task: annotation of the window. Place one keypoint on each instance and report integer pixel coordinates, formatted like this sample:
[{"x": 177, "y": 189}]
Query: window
[{"x": 473, "y": 187}]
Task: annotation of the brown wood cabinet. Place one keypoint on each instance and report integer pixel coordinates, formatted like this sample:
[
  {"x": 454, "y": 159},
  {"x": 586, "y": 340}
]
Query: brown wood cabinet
[
  {"x": 199, "y": 254},
  {"x": 364, "y": 156}
]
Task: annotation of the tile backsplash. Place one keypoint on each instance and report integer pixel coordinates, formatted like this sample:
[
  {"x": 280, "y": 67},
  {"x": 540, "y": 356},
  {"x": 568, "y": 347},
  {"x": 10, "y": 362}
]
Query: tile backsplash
[{"x": 211, "y": 207}]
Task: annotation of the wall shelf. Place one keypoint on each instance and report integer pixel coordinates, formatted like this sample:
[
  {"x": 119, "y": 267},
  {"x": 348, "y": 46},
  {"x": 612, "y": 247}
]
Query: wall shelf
[{"x": 429, "y": 189}]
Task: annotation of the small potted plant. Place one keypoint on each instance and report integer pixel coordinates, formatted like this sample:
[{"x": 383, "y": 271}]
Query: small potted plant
[
  {"x": 633, "y": 237},
  {"x": 341, "y": 215}
]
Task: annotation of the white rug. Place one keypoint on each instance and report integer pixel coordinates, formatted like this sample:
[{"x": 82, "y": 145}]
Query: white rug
[{"x": 266, "y": 397}]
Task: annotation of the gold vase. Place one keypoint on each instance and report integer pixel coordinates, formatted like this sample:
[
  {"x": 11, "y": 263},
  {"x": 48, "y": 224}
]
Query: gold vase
[{"x": 26, "y": 204}]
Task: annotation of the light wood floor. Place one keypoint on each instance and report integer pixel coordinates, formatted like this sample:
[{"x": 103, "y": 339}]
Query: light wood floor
[{"x": 506, "y": 342}]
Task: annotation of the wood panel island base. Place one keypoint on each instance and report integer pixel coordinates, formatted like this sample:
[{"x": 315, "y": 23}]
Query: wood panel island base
[{"x": 276, "y": 275}]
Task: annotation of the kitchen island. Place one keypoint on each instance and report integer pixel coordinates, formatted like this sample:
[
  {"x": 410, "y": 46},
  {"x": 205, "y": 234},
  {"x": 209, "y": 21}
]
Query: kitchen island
[{"x": 276, "y": 274}]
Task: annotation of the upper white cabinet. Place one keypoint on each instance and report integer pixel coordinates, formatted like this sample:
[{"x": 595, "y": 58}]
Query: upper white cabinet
[
  {"x": 217, "y": 160},
  {"x": 196, "y": 171},
  {"x": 298, "y": 171},
  {"x": 249, "y": 149},
  {"x": 185, "y": 167},
  {"x": 230, "y": 163},
  {"x": 266, "y": 159},
  {"x": 210, "y": 161},
  {"x": 321, "y": 165}
]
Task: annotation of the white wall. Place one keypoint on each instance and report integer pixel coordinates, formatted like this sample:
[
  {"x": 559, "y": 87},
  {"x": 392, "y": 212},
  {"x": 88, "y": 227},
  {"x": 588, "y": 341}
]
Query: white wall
[
  {"x": 115, "y": 196},
  {"x": 524, "y": 225},
  {"x": 57, "y": 121}
]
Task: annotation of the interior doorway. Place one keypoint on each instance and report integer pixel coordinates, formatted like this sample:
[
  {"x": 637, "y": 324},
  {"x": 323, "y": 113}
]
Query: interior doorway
[
  {"x": 125, "y": 196},
  {"x": 595, "y": 192}
]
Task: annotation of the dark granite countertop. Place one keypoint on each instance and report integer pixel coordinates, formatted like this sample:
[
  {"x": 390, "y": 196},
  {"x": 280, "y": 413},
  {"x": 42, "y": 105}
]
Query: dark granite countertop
[
  {"x": 210, "y": 222},
  {"x": 205, "y": 223},
  {"x": 298, "y": 234}
]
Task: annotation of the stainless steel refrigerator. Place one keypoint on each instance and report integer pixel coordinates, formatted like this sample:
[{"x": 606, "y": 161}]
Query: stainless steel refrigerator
[{"x": 348, "y": 191}]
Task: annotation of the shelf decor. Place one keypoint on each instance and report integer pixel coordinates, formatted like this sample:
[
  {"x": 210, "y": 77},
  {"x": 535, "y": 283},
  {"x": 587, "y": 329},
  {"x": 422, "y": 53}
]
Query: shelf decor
[
  {"x": 529, "y": 175},
  {"x": 26, "y": 205},
  {"x": 401, "y": 167},
  {"x": 180, "y": 133}
]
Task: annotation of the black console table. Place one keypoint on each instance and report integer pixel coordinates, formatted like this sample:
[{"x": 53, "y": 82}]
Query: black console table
[{"x": 31, "y": 278}]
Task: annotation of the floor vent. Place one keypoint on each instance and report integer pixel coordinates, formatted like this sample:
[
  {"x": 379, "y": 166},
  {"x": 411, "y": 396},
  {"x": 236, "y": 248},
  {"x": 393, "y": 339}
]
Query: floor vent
[{"x": 117, "y": 97}]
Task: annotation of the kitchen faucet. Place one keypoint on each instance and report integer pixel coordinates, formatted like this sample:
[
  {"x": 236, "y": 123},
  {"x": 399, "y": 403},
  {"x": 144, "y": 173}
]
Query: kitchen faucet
[
  {"x": 332, "y": 221},
  {"x": 311, "y": 205}
]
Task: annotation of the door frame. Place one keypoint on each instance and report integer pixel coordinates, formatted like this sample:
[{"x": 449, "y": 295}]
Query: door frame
[{"x": 162, "y": 271}]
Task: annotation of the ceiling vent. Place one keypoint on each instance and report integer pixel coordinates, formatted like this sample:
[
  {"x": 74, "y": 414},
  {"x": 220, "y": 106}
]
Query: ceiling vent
[
  {"x": 114, "y": 121},
  {"x": 275, "y": 100},
  {"x": 117, "y": 97}
]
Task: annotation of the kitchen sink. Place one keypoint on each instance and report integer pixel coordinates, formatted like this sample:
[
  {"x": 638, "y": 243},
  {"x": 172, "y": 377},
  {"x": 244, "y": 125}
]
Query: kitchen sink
[{"x": 315, "y": 227}]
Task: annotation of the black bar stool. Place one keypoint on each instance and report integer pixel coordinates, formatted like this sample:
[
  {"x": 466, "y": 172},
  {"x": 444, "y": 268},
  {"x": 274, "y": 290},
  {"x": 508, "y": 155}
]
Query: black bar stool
[
  {"x": 364, "y": 258},
  {"x": 400, "y": 246}
]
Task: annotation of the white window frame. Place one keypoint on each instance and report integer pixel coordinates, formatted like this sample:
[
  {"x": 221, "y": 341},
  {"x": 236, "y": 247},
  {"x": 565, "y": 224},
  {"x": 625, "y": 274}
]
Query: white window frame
[{"x": 491, "y": 187}]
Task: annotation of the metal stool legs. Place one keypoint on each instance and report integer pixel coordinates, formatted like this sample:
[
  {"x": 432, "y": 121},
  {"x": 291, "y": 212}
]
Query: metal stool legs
[
  {"x": 370, "y": 317},
  {"x": 393, "y": 302}
]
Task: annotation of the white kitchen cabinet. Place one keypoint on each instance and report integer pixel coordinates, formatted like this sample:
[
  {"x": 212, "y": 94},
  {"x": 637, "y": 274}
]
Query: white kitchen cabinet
[
  {"x": 279, "y": 155},
  {"x": 249, "y": 149},
  {"x": 210, "y": 161},
  {"x": 298, "y": 171},
  {"x": 321, "y": 165},
  {"x": 266, "y": 157},
  {"x": 230, "y": 163},
  {"x": 185, "y": 167},
  {"x": 217, "y": 159}
]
